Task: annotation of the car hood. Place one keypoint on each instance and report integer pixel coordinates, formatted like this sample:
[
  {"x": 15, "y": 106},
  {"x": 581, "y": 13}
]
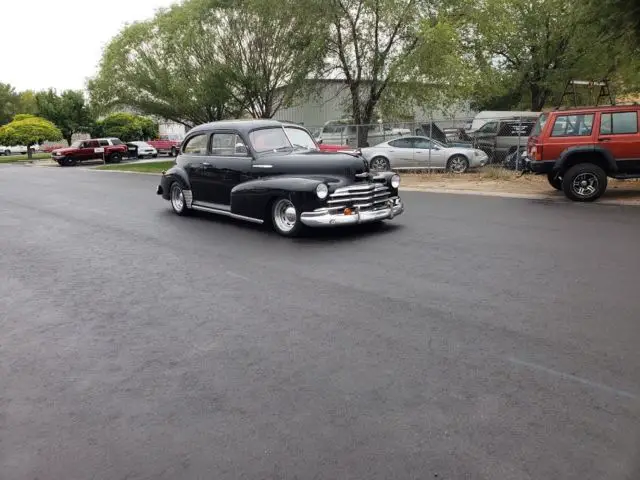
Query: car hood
[
  {"x": 64, "y": 151},
  {"x": 314, "y": 163}
]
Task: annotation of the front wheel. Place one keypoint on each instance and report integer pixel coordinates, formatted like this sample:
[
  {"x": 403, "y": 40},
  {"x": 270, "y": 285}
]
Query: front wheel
[
  {"x": 68, "y": 162},
  {"x": 379, "y": 164},
  {"x": 555, "y": 180},
  {"x": 174, "y": 152},
  {"x": 458, "y": 164},
  {"x": 115, "y": 158},
  {"x": 584, "y": 182},
  {"x": 285, "y": 218}
]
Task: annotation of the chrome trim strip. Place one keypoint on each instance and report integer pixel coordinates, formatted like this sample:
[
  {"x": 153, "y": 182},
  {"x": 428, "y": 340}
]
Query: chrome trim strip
[
  {"x": 226, "y": 214},
  {"x": 261, "y": 165}
]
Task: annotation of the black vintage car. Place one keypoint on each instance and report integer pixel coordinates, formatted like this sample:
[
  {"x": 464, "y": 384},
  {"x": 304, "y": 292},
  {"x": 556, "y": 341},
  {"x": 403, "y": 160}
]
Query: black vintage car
[{"x": 268, "y": 171}]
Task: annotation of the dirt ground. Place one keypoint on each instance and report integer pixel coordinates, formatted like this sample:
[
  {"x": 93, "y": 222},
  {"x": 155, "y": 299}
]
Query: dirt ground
[{"x": 507, "y": 183}]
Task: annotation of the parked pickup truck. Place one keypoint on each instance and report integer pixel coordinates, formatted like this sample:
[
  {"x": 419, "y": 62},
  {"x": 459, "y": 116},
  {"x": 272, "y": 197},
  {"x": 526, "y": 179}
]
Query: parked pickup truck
[
  {"x": 502, "y": 137},
  {"x": 112, "y": 150},
  {"x": 167, "y": 144}
]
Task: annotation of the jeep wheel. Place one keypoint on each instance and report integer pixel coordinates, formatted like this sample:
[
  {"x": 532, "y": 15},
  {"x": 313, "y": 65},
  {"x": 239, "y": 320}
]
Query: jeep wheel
[
  {"x": 555, "y": 180},
  {"x": 285, "y": 218},
  {"x": 115, "y": 158},
  {"x": 584, "y": 182}
]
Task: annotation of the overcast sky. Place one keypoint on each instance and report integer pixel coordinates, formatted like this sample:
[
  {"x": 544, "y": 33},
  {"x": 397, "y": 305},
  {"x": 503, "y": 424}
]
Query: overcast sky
[{"x": 58, "y": 43}]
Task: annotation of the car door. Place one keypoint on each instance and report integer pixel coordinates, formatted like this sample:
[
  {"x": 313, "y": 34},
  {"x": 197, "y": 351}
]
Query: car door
[
  {"x": 570, "y": 130},
  {"x": 428, "y": 154},
  {"x": 228, "y": 165},
  {"x": 400, "y": 153},
  {"x": 87, "y": 150},
  {"x": 193, "y": 155},
  {"x": 484, "y": 138},
  {"x": 619, "y": 135}
]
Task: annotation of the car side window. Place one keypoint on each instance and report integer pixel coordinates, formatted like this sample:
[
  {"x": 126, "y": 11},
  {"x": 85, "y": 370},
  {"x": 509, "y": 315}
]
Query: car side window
[
  {"x": 104, "y": 143},
  {"x": 93, "y": 144},
  {"x": 196, "y": 145},
  {"x": 619, "y": 123},
  {"x": 573, "y": 125},
  {"x": 228, "y": 144},
  {"x": 401, "y": 143},
  {"x": 422, "y": 143},
  {"x": 491, "y": 127}
]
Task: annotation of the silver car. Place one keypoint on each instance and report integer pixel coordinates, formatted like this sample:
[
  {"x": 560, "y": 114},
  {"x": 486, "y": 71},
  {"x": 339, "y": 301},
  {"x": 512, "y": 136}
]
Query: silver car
[{"x": 422, "y": 153}]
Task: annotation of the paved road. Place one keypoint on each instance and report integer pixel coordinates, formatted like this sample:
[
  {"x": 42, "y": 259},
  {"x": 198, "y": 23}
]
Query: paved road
[{"x": 473, "y": 338}]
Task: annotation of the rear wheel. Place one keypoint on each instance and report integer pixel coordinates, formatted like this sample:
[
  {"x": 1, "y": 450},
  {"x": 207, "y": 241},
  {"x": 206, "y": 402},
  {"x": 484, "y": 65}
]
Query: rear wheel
[
  {"x": 555, "y": 180},
  {"x": 285, "y": 218},
  {"x": 458, "y": 164},
  {"x": 174, "y": 152},
  {"x": 176, "y": 197},
  {"x": 584, "y": 182}
]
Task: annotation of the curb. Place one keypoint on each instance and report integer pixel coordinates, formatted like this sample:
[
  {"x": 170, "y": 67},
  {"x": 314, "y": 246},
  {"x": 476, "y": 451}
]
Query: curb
[{"x": 525, "y": 196}]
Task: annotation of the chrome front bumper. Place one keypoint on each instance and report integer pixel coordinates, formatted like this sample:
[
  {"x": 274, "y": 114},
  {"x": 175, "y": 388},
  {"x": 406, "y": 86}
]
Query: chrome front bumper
[{"x": 393, "y": 208}]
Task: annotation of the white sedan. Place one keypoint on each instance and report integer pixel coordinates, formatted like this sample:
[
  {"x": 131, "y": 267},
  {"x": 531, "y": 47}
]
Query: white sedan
[
  {"x": 142, "y": 149},
  {"x": 16, "y": 149},
  {"x": 422, "y": 153}
]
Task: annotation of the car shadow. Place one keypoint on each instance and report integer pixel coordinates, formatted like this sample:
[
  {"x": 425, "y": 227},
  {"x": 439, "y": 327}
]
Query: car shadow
[{"x": 308, "y": 235}]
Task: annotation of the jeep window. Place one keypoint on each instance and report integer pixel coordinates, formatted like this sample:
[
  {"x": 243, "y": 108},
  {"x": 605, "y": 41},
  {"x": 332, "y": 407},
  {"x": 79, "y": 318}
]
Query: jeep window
[
  {"x": 573, "y": 126},
  {"x": 196, "y": 145},
  {"x": 92, "y": 144},
  {"x": 300, "y": 138},
  {"x": 542, "y": 120},
  {"x": 619, "y": 123}
]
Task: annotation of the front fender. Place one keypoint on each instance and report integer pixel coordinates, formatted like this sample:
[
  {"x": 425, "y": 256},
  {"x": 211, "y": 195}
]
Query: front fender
[
  {"x": 252, "y": 198},
  {"x": 174, "y": 174}
]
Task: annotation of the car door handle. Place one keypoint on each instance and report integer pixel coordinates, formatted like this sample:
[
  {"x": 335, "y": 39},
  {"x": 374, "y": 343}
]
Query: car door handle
[{"x": 604, "y": 139}]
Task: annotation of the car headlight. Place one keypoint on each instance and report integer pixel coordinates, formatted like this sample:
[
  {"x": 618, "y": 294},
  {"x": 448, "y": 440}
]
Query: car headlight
[
  {"x": 322, "y": 191},
  {"x": 395, "y": 181}
]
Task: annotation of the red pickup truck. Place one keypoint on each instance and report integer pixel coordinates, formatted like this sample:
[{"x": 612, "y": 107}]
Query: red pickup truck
[
  {"x": 168, "y": 144},
  {"x": 112, "y": 150}
]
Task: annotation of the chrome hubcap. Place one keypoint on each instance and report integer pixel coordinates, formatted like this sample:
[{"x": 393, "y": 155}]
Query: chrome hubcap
[
  {"x": 284, "y": 215},
  {"x": 177, "y": 198},
  {"x": 378, "y": 164},
  {"x": 585, "y": 185},
  {"x": 458, "y": 165}
]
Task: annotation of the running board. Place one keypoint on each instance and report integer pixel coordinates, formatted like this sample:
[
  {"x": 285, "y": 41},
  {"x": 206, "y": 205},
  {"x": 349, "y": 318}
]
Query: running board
[
  {"x": 626, "y": 176},
  {"x": 226, "y": 213}
]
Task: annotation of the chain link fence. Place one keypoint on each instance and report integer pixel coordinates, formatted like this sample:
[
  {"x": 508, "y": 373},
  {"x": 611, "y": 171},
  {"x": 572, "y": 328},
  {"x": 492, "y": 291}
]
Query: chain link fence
[{"x": 502, "y": 138}]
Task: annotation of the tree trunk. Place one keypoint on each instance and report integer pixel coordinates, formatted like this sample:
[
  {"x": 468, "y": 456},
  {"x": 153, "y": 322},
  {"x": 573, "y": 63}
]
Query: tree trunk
[
  {"x": 29, "y": 152},
  {"x": 68, "y": 139},
  {"x": 538, "y": 97}
]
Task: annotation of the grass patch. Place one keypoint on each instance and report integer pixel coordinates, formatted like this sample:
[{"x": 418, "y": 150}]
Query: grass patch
[
  {"x": 149, "y": 167},
  {"x": 24, "y": 158},
  {"x": 498, "y": 173}
]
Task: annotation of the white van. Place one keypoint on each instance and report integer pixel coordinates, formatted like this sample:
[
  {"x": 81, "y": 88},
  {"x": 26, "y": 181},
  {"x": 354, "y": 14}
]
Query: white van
[{"x": 485, "y": 116}]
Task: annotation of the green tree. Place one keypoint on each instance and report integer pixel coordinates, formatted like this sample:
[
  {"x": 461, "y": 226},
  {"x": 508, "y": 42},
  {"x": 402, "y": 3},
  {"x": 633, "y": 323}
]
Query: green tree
[
  {"x": 525, "y": 52},
  {"x": 9, "y": 101},
  {"x": 28, "y": 130},
  {"x": 27, "y": 102},
  {"x": 68, "y": 110},
  {"x": 126, "y": 126},
  {"x": 269, "y": 48}
]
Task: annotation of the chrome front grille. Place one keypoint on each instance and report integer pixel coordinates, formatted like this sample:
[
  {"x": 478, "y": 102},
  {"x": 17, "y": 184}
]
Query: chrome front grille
[{"x": 367, "y": 196}]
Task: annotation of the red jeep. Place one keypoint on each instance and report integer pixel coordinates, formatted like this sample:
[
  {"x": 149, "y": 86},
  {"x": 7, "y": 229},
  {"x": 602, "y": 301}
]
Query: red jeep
[
  {"x": 112, "y": 150},
  {"x": 579, "y": 148}
]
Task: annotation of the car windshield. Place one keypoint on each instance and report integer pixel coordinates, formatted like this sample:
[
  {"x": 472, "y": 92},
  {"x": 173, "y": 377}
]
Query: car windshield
[
  {"x": 542, "y": 119},
  {"x": 300, "y": 138},
  {"x": 278, "y": 138}
]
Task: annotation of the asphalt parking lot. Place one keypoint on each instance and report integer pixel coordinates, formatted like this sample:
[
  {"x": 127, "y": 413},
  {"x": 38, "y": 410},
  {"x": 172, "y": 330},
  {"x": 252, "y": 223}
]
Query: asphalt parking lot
[{"x": 471, "y": 338}]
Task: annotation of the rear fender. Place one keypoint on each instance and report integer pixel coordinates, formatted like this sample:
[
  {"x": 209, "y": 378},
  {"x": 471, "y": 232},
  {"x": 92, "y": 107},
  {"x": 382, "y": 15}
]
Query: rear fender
[
  {"x": 174, "y": 174},
  {"x": 565, "y": 159}
]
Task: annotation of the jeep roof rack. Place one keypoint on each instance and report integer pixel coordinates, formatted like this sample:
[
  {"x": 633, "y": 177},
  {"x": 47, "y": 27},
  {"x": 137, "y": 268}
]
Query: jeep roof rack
[{"x": 570, "y": 90}]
